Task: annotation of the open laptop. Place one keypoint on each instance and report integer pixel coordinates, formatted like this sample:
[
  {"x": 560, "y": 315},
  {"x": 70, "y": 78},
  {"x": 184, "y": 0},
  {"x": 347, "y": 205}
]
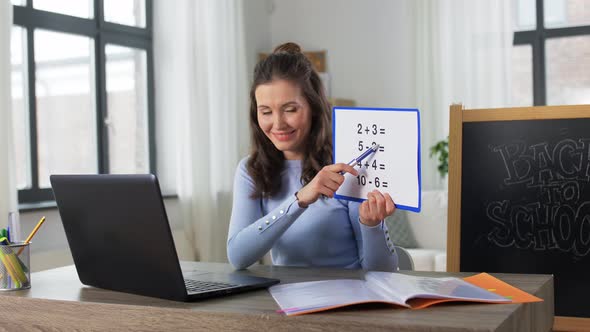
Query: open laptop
[{"x": 120, "y": 239}]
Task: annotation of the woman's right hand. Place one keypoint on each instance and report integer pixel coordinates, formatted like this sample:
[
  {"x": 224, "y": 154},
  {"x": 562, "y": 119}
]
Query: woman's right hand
[{"x": 326, "y": 182}]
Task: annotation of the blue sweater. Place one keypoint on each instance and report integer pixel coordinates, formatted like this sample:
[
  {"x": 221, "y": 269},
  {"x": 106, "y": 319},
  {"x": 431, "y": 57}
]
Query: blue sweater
[{"x": 326, "y": 233}]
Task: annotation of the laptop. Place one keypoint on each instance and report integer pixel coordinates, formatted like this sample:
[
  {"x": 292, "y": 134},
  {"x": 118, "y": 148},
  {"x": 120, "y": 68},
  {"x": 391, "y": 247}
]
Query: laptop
[{"x": 120, "y": 239}]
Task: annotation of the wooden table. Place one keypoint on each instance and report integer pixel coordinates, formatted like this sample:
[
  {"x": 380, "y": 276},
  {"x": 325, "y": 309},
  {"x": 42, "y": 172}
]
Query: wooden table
[{"x": 58, "y": 301}]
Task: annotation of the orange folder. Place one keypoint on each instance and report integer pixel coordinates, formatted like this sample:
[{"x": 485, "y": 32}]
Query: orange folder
[
  {"x": 498, "y": 286},
  {"x": 488, "y": 282}
]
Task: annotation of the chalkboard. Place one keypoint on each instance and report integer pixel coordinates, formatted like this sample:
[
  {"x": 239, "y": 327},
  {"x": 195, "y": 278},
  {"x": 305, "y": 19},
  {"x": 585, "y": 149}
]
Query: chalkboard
[{"x": 522, "y": 197}]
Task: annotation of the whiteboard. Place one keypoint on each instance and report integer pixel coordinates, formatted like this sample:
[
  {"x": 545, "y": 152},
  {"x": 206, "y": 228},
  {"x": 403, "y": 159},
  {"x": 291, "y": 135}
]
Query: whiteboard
[{"x": 395, "y": 168}]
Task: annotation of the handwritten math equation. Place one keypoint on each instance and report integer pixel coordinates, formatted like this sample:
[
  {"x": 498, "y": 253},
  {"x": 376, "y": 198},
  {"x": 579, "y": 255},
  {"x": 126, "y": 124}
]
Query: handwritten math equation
[{"x": 367, "y": 136}]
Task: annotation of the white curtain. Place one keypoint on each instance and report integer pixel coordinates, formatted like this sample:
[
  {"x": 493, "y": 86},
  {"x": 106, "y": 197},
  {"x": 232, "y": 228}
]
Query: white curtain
[
  {"x": 8, "y": 196},
  {"x": 201, "y": 82},
  {"x": 463, "y": 55}
]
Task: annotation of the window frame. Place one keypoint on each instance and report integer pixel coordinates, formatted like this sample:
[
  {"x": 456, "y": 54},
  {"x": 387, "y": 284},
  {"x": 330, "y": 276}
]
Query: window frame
[
  {"x": 536, "y": 39},
  {"x": 102, "y": 32}
]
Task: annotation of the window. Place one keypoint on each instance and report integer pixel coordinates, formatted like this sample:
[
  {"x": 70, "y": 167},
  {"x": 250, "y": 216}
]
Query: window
[
  {"x": 551, "y": 58},
  {"x": 82, "y": 89}
]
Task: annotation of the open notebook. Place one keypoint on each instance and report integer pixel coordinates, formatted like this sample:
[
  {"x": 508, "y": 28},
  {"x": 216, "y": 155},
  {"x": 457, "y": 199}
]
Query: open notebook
[{"x": 394, "y": 288}]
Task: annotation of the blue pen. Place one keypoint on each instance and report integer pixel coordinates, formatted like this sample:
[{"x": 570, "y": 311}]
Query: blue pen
[
  {"x": 364, "y": 155},
  {"x": 8, "y": 234}
]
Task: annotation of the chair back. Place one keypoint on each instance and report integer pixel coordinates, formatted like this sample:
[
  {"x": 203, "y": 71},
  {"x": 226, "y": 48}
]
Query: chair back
[{"x": 405, "y": 261}]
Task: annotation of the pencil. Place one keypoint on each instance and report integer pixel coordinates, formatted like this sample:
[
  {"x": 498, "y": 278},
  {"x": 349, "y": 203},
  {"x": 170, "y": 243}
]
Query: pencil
[
  {"x": 35, "y": 230},
  {"x": 32, "y": 234}
]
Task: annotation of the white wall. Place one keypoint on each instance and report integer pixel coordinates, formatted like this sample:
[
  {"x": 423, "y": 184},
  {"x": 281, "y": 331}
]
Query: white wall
[
  {"x": 257, "y": 31},
  {"x": 368, "y": 43},
  {"x": 256, "y": 27}
]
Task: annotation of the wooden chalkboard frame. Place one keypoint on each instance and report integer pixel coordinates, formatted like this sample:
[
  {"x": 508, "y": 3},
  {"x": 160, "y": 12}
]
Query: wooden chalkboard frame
[{"x": 459, "y": 116}]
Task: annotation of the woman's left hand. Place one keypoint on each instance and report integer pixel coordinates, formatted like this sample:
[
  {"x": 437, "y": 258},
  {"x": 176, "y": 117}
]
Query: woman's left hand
[{"x": 376, "y": 208}]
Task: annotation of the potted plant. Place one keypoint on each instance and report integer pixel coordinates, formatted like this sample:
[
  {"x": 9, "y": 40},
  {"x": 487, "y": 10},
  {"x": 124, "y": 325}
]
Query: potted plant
[{"x": 440, "y": 150}]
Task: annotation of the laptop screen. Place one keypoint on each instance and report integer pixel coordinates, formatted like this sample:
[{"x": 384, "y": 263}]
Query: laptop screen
[{"x": 118, "y": 233}]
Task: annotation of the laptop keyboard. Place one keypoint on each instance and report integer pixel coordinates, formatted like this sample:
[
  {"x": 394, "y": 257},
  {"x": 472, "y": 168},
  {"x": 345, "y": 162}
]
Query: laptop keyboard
[{"x": 196, "y": 286}]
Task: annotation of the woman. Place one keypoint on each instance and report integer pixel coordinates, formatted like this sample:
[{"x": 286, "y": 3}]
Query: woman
[{"x": 283, "y": 191}]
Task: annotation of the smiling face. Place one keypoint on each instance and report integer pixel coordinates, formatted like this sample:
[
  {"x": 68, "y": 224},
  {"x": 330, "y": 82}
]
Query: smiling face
[{"x": 284, "y": 116}]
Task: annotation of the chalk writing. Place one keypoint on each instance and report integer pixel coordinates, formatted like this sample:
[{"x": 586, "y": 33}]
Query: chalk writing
[{"x": 558, "y": 219}]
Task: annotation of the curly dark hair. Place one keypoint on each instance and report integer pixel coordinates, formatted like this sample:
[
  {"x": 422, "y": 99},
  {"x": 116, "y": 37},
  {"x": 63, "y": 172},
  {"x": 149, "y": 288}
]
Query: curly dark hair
[{"x": 265, "y": 164}]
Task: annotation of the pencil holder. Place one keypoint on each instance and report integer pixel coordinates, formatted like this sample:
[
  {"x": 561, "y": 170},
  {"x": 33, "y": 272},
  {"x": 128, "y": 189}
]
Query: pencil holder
[{"x": 14, "y": 266}]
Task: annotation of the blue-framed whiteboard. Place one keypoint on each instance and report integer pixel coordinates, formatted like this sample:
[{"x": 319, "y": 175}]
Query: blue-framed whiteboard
[{"x": 395, "y": 168}]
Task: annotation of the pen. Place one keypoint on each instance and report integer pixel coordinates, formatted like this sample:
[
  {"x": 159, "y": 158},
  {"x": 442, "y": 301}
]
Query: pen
[
  {"x": 364, "y": 155},
  {"x": 14, "y": 223},
  {"x": 32, "y": 234}
]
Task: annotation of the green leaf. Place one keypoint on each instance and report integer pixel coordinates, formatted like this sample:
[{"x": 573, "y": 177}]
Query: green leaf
[{"x": 440, "y": 150}]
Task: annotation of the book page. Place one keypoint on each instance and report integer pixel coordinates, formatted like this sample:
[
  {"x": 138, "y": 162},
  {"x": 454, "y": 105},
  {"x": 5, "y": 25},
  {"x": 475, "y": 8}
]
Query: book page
[
  {"x": 305, "y": 297},
  {"x": 408, "y": 287}
]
